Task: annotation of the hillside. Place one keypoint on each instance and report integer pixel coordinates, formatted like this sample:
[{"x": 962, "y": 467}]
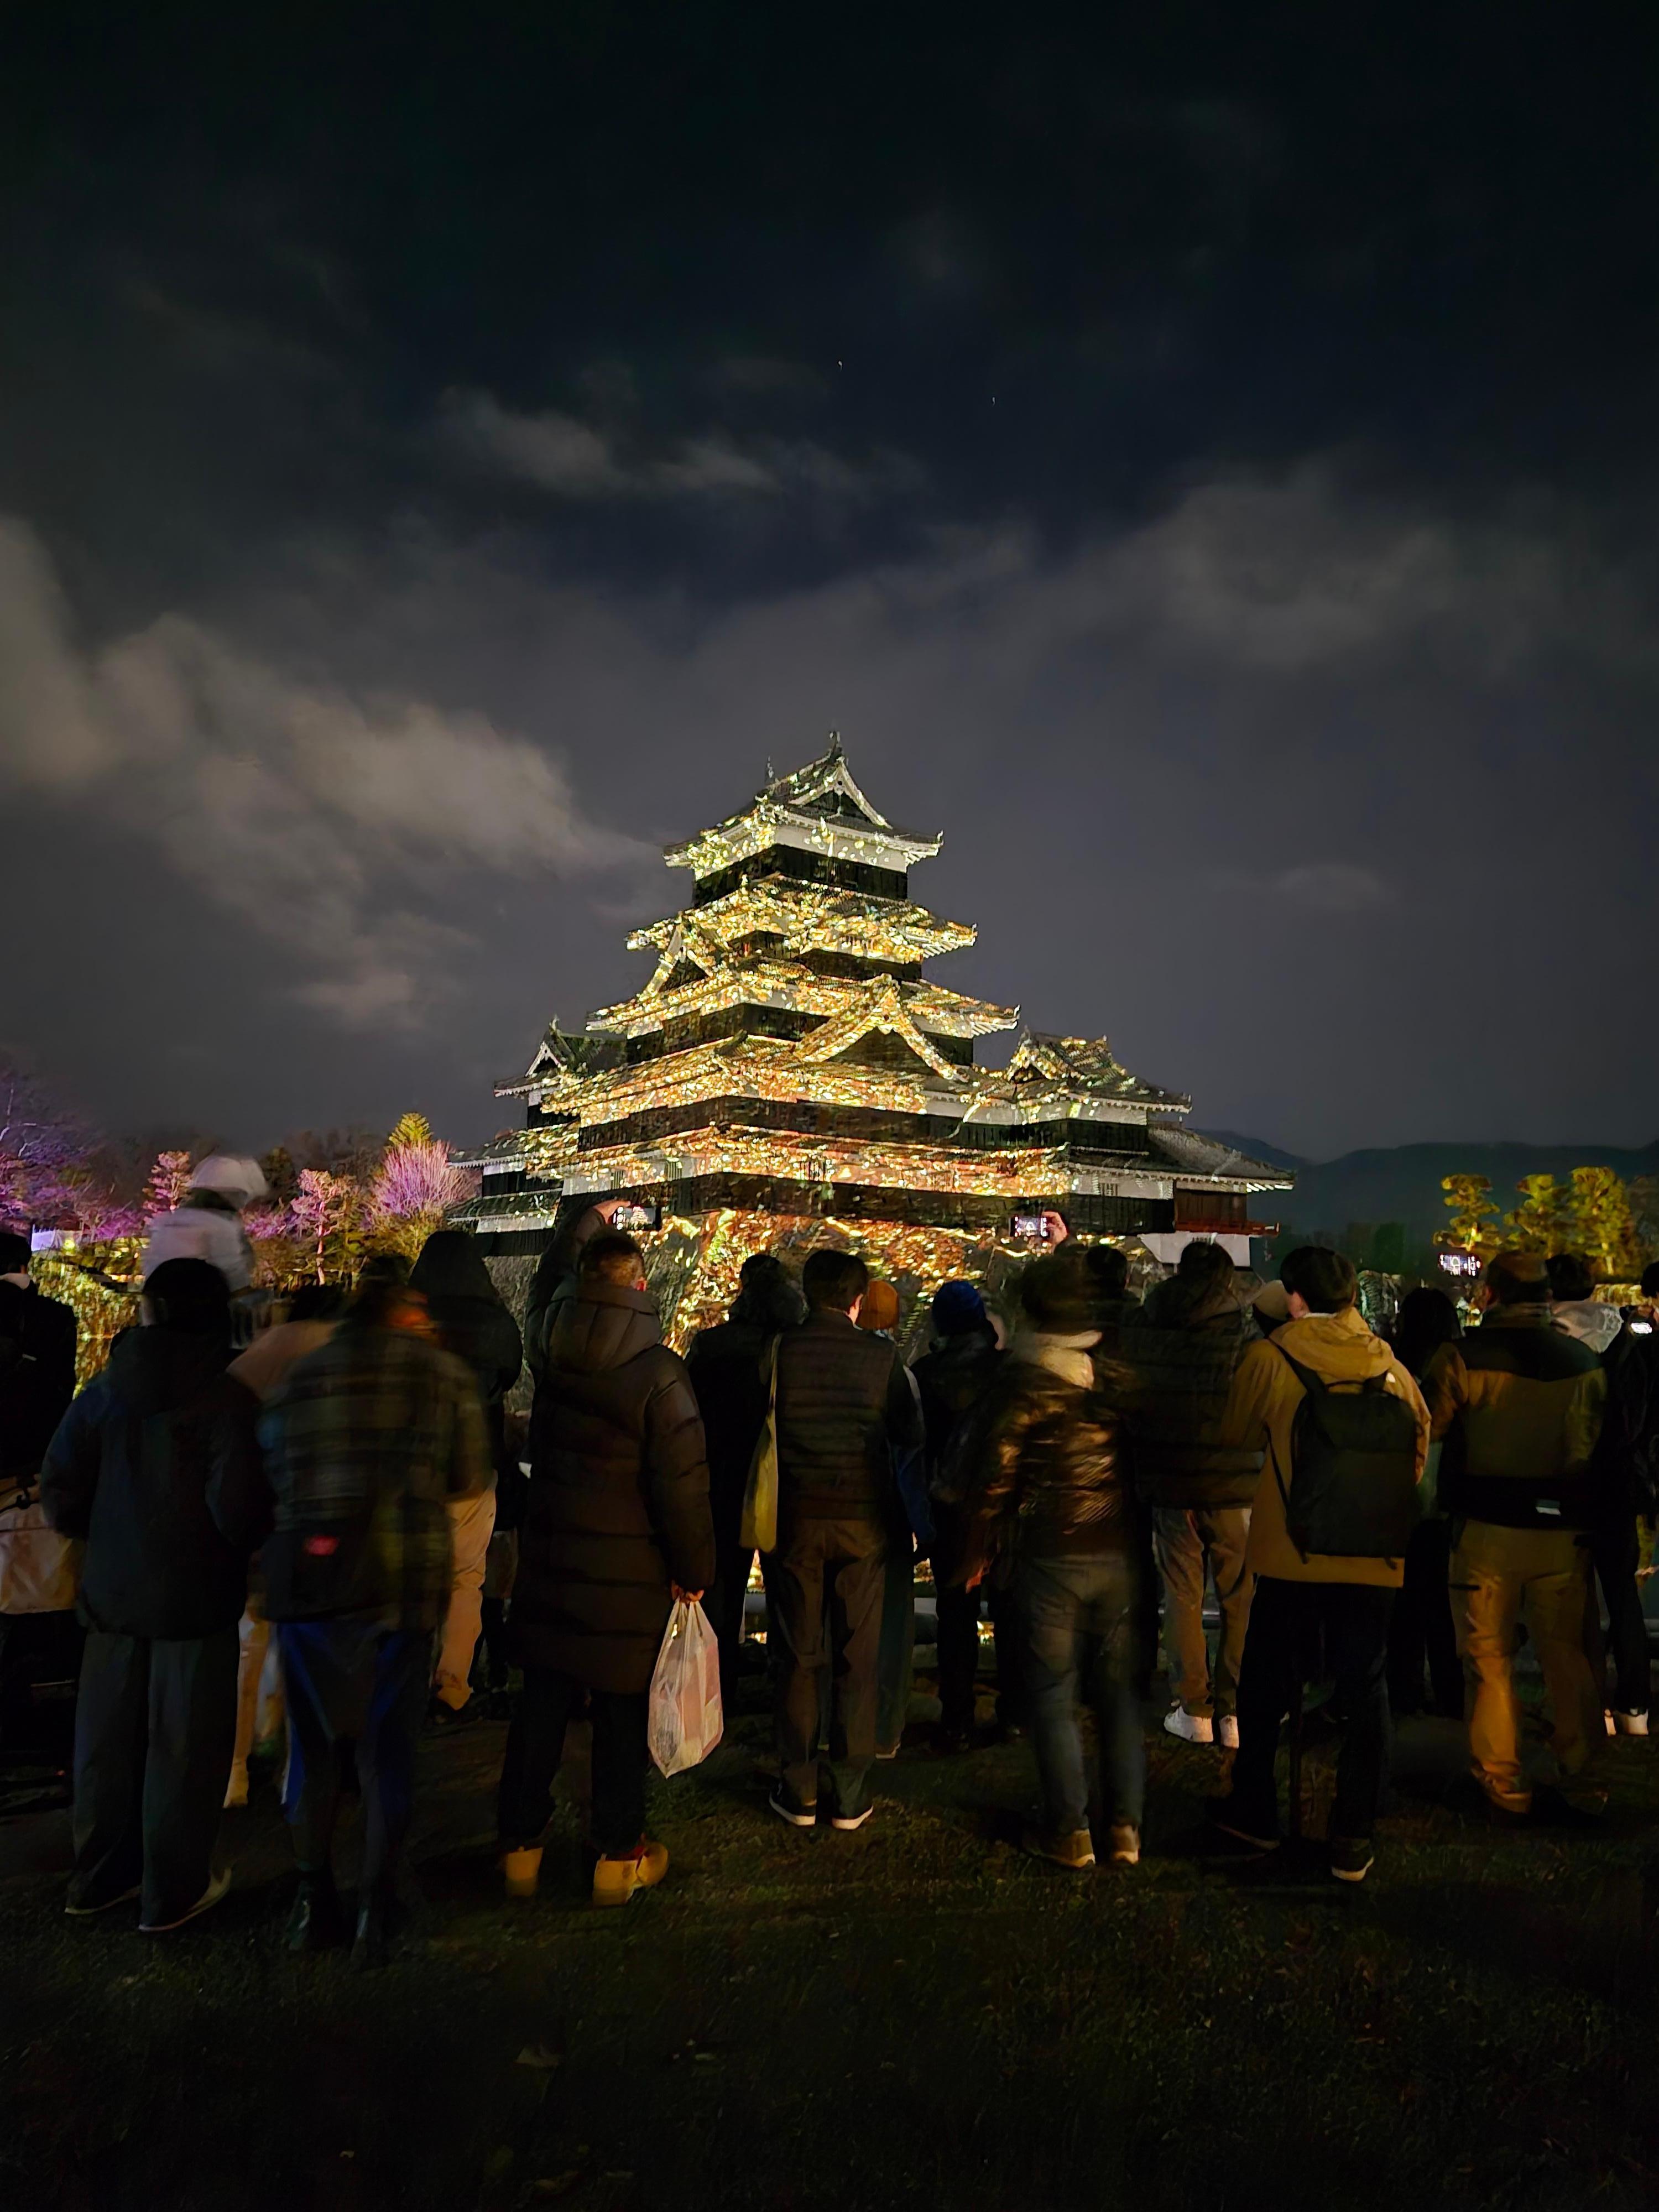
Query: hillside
[{"x": 1402, "y": 1181}]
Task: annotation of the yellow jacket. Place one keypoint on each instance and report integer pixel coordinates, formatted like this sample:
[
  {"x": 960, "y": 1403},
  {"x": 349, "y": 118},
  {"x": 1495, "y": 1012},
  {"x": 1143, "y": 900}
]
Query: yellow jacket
[{"x": 1261, "y": 1409}]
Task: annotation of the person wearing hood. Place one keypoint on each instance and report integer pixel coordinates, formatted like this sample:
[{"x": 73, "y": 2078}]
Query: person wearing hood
[
  {"x": 952, "y": 1378},
  {"x": 578, "y": 1220},
  {"x": 207, "y": 1221},
  {"x": 1304, "y": 1598},
  {"x": 617, "y": 1529},
  {"x": 729, "y": 1365},
  {"x": 1518, "y": 1404},
  {"x": 1183, "y": 1347},
  {"x": 1614, "y": 1542},
  {"x": 473, "y": 1323},
  {"x": 156, "y": 1465},
  {"x": 373, "y": 1437},
  {"x": 1048, "y": 1511}
]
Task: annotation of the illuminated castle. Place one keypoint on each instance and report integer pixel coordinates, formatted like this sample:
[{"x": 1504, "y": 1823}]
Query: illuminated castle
[{"x": 789, "y": 1064}]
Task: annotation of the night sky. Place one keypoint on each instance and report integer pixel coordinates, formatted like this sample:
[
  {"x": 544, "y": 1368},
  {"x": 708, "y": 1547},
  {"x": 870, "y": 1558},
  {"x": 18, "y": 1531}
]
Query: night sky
[{"x": 1204, "y": 467}]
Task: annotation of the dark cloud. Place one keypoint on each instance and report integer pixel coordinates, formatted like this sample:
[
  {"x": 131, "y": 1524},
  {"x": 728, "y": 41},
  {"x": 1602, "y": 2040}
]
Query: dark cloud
[{"x": 437, "y": 469}]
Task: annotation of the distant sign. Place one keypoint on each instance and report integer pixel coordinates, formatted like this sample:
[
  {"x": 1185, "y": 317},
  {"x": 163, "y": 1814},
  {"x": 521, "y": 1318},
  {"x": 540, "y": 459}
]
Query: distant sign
[{"x": 1459, "y": 1263}]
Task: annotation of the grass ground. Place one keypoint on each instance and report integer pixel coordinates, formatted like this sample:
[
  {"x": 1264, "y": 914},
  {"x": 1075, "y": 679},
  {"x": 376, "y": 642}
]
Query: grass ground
[{"x": 915, "y": 2014}]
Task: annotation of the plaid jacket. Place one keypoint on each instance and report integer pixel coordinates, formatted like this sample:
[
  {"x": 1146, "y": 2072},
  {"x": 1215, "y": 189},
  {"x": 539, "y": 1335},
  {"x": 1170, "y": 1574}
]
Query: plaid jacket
[{"x": 379, "y": 1426}]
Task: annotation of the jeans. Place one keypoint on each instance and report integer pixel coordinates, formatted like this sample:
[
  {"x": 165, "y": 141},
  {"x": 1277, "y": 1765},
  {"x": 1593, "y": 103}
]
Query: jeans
[
  {"x": 826, "y": 1584},
  {"x": 1078, "y": 1614},
  {"x": 895, "y": 1650},
  {"x": 1615, "y": 1553},
  {"x": 1185, "y": 1543},
  {"x": 351, "y": 1680},
  {"x": 1422, "y": 1629},
  {"x": 535, "y": 1746},
  {"x": 1301, "y": 1632},
  {"x": 154, "y": 1728},
  {"x": 1498, "y": 1575}
]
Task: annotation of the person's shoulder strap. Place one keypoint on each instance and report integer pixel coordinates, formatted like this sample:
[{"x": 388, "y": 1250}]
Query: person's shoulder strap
[{"x": 1305, "y": 1375}]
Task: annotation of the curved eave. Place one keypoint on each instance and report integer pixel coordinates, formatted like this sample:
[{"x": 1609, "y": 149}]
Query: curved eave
[{"x": 841, "y": 837}]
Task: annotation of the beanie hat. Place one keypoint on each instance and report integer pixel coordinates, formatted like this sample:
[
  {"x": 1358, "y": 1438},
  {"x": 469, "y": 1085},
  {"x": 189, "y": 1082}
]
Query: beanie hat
[
  {"x": 14, "y": 1252},
  {"x": 957, "y": 1308}
]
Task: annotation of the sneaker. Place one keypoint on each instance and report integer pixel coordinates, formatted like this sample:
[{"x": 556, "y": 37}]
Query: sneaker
[
  {"x": 522, "y": 1869},
  {"x": 1226, "y": 1731},
  {"x": 617, "y": 1881},
  {"x": 443, "y": 1715},
  {"x": 892, "y": 1751},
  {"x": 788, "y": 1806},
  {"x": 1191, "y": 1728},
  {"x": 1126, "y": 1845},
  {"x": 217, "y": 1886},
  {"x": 87, "y": 1909},
  {"x": 236, "y": 1788},
  {"x": 1352, "y": 1857},
  {"x": 848, "y": 1822},
  {"x": 1630, "y": 1723},
  {"x": 1075, "y": 1852},
  {"x": 317, "y": 1921}
]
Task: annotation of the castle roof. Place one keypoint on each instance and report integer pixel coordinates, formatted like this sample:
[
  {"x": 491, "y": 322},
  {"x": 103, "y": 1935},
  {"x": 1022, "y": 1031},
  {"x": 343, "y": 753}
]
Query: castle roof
[{"x": 816, "y": 809}]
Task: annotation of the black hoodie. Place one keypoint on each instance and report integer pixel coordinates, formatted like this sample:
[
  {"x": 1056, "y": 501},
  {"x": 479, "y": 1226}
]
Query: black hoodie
[
  {"x": 618, "y": 1504},
  {"x": 157, "y": 1466},
  {"x": 36, "y": 1377},
  {"x": 474, "y": 1324}
]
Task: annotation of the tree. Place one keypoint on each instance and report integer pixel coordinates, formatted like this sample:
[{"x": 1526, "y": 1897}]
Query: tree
[
  {"x": 327, "y": 1213},
  {"x": 1543, "y": 1222},
  {"x": 282, "y": 1176},
  {"x": 1473, "y": 1212},
  {"x": 410, "y": 1129},
  {"x": 43, "y": 1149},
  {"x": 1604, "y": 1229},
  {"x": 167, "y": 1183},
  {"x": 415, "y": 1185}
]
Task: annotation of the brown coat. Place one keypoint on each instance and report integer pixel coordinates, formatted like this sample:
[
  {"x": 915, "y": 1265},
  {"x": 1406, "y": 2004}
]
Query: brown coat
[{"x": 1261, "y": 1410}]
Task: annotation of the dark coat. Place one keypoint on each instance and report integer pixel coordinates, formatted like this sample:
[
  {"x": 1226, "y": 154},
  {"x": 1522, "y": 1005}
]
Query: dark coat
[
  {"x": 846, "y": 1409},
  {"x": 618, "y": 1503},
  {"x": 730, "y": 1366},
  {"x": 36, "y": 1377},
  {"x": 951, "y": 1381},
  {"x": 473, "y": 1323},
  {"x": 157, "y": 1466},
  {"x": 1046, "y": 1477},
  {"x": 1182, "y": 1355}
]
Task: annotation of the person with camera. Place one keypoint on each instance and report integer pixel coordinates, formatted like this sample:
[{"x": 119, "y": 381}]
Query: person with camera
[
  {"x": 1050, "y": 1513},
  {"x": 1346, "y": 1432}
]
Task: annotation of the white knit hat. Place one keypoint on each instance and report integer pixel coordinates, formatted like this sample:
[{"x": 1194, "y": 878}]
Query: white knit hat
[{"x": 231, "y": 1176}]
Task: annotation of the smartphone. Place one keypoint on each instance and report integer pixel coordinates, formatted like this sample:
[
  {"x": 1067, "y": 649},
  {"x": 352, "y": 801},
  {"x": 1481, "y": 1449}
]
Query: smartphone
[
  {"x": 1641, "y": 1328},
  {"x": 632, "y": 1217},
  {"x": 1032, "y": 1227}
]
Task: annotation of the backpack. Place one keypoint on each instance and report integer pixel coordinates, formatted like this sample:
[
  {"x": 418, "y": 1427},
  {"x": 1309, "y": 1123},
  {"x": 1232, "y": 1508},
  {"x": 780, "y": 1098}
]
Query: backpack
[{"x": 1353, "y": 1458}]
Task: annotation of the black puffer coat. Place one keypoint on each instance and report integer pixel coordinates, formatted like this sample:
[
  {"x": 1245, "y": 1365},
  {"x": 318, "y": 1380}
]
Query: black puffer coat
[
  {"x": 618, "y": 1504},
  {"x": 1045, "y": 1476},
  {"x": 1182, "y": 1353},
  {"x": 156, "y": 1465},
  {"x": 729, "y": 1367},
  {"x": 473, "y": 1323}
]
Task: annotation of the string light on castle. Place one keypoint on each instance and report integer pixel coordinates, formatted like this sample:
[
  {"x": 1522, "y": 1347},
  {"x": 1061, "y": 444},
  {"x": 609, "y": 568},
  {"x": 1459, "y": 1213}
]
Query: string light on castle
[{"x": 788, "y": 1074}]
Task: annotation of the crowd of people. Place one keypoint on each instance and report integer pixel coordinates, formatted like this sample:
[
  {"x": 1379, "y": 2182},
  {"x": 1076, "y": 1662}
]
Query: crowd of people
[{"x": 341, "y": 1523}]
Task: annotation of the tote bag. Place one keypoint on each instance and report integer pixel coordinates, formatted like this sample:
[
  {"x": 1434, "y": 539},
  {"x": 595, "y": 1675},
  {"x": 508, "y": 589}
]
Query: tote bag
[
  {"x": 759, "y": 1525},
  {"x": 39, "y": 1570}
]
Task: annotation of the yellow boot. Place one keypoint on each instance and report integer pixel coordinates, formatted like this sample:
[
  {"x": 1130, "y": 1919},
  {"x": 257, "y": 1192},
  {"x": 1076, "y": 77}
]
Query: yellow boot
[
  {"x": 522, "y": 1870},
  {"x": 615, "y": 1881}
]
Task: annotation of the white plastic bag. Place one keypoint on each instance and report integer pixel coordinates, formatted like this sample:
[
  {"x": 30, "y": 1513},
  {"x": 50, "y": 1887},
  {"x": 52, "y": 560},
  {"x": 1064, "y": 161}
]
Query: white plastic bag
[
  {"x": 39, "y": 1570},
  {"x": 685, "y": 1692}
]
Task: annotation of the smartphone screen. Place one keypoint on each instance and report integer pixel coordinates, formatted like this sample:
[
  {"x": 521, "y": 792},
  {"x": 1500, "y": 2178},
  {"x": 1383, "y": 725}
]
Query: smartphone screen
[
  {"x": 1031, "y": 1226},
  {"x": 632, "y": 1217}
]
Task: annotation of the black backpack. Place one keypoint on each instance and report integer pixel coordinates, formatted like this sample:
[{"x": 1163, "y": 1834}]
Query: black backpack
[{"x": 1353, "y": 1458}]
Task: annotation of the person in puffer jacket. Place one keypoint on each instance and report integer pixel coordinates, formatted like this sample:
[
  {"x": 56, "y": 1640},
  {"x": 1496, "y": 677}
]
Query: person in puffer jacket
[
  {"x": 1048, "y": 1510},
  {"x": 1182, "y": 1347},
  {"x": 207, "y": 1221}
]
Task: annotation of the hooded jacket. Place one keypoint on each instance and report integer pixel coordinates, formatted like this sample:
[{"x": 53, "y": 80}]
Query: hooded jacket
[
  {"x": 618, "y": 1501},
  {"x": 1519, "y": 1403},
  {"x": 1261, "y": 1410},
  {"x": 1183, "y": 1355},
  {"x": 207, "y": 1226},
  {"x": 1045, "y": 1476},
  {"x": 156, "y": 1465},
  {"x": 36, "y": 1377}
]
